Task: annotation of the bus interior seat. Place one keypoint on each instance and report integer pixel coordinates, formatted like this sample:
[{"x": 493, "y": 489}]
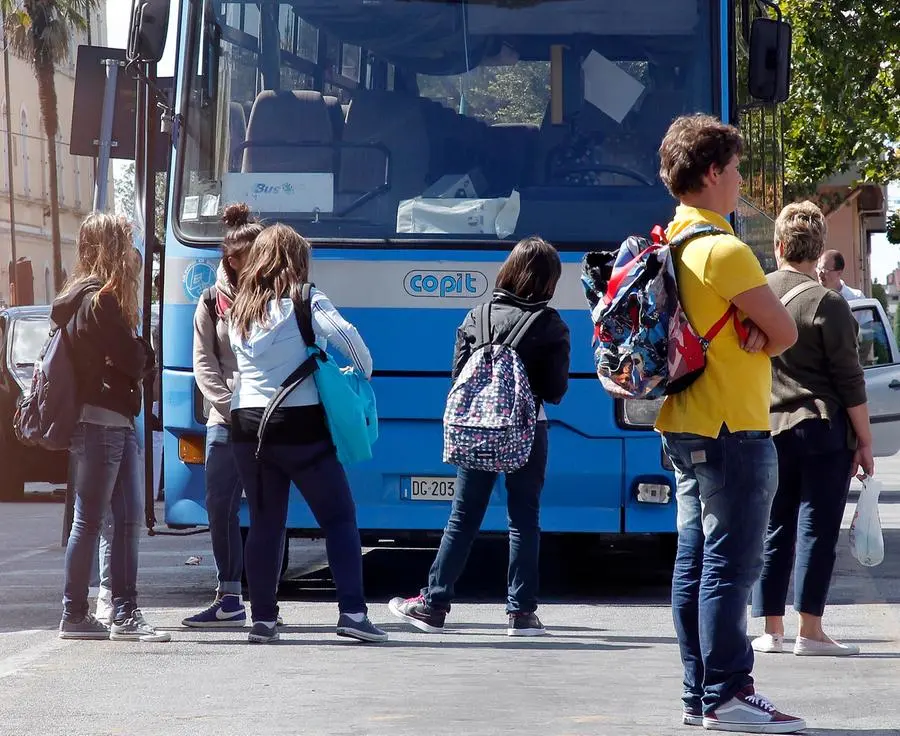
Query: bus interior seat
[
  {"x": 398, "y": 123},
  {"x": 512, "y": 148},
  {"x": 237, "y": 132},
  {"x": 290, "y": 117},
  {"x": 336, "y": 114}
]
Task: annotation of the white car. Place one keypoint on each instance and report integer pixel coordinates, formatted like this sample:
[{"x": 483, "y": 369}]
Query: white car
[{"x": 880, "y": 359}]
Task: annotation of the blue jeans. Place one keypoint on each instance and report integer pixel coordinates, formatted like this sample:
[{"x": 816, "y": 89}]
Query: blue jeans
[
  {"x": 473, "y": 493},
  {"x": 106, "y": 473},
  {"x": 315, "y": 470},
  {"x": 725, "y": 491},
  {"x": 223, "y": 499},
  {"x": 814, "y": 467}
]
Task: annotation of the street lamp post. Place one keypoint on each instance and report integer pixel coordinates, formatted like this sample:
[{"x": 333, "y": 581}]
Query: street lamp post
[{"x": 13, "y": 277}]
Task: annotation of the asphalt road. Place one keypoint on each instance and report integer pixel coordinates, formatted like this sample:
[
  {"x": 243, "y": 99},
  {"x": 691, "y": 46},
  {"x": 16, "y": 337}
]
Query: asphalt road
[{"x": 610, "y": 665}]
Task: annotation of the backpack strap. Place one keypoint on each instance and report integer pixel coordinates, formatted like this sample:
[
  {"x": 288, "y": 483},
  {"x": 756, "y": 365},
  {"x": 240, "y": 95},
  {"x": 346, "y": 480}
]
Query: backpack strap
[
  {"x": 483, "y": 324},
  {"x": 209, "y": 297},
  {"x": 521, "y": 328},
  {"x": 303, "y": 314},
  {"x": 698, "y": 231},
  {"x": 695, "y": 231},
  {"x": 797, "y": 291}
]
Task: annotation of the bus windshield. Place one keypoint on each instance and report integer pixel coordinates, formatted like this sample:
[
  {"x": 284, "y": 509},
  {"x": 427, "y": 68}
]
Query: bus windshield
[{"x": 438, "y": 121}]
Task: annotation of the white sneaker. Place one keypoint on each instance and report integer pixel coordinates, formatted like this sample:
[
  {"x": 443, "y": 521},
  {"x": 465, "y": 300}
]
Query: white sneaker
[
  {"x": 768, "y": 643},
  {"x": 105, "y": 610},
  {"x": 804, "y": 647},
  {"x": 750, "y": 712}
]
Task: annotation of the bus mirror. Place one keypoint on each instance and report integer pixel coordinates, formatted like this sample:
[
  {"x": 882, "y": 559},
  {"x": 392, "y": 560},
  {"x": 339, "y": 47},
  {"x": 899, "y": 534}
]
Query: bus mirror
[
  {"x": 149, "y": 28},
  {"x": 770, "y": 60}
]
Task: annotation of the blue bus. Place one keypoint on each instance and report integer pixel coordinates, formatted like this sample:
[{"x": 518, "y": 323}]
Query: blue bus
[{"x": 413, "y": 142}]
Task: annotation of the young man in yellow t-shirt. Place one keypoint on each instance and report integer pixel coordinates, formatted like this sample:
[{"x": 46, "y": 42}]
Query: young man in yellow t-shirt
[{"x": 716, "y": 432}]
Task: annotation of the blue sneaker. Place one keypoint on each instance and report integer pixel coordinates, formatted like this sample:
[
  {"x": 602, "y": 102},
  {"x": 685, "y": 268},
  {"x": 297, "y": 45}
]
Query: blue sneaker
[
  {"x": 227, "y": 612},
  {"x": 363, "y": 630}
]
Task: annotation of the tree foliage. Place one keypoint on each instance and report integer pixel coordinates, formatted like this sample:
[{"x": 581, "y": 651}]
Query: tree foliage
[
  {"x": 893, "y": 227},
  {"x": 880, "y": 294},
  {"x": 897, "y": 325},
  {"x": 844, "y": 109},
  {"x": 38, "y": 31},
  {"x": 125, "y": 198}
]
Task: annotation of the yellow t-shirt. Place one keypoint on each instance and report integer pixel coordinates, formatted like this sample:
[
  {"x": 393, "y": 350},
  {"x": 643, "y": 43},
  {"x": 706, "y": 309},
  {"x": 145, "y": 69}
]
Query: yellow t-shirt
[{"x": 736, "y": 386}]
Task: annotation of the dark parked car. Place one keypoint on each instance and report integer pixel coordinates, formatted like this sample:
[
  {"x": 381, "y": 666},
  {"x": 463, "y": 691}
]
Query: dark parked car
[{"x": 23, "y": 332}]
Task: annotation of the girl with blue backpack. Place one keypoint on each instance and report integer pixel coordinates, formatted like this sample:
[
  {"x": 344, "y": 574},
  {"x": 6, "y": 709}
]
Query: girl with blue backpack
[
  {"x": 486, "y": 376},
  {"x": 279, "y": 428}
]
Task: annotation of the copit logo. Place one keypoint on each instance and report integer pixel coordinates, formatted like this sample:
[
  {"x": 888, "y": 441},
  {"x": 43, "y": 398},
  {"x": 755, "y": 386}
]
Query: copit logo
[{"x": 446, "y": 284}]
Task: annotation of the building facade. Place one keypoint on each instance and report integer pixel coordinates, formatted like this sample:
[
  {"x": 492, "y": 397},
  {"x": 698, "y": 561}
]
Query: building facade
[
  {"x": 27, "y": 143},
  {"x": 861, "y": 210}
]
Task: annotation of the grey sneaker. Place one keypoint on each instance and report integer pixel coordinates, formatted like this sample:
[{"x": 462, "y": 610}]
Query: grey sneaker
[
  {"x": 363, "y": 630},
  {"x": 262, "y": 633},
  {"x": 136, "y": 628},
  {"x": 86, "y": 628},
  {"x": 525, "y": 624}
]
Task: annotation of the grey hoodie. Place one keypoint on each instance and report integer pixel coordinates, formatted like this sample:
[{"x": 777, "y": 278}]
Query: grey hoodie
[{"x": 214, "y": 361}]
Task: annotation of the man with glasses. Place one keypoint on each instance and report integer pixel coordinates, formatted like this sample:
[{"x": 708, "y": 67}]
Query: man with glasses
[{"x": 831, "y": 271}]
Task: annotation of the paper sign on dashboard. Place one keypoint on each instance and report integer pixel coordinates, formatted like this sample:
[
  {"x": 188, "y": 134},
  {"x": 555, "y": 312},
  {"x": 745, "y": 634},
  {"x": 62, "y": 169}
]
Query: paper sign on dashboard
[{"x": 274, "y": 192}]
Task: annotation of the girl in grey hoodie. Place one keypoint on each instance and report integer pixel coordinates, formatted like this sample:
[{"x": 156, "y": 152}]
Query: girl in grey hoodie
[{"x": 214, "y": 370}]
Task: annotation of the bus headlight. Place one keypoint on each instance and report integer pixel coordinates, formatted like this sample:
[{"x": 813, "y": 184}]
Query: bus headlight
[{"x": 639, "y": 412}]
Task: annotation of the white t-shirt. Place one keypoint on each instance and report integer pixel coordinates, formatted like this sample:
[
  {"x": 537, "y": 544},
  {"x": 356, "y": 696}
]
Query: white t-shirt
[{"x": 849, "y": 293}]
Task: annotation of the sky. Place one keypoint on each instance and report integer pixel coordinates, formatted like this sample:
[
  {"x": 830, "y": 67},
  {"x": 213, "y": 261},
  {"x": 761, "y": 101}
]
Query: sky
[
  {"x": 885, "y": 257},
  {"x": 118, "y": 18}
]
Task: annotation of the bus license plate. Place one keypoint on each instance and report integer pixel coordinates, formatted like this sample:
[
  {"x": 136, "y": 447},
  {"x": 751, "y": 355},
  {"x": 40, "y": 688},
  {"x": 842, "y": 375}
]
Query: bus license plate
[{"x": 432, "y": 489}]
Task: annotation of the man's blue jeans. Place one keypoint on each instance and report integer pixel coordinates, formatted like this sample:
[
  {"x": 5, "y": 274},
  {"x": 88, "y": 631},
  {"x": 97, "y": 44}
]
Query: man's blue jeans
[
  {"x": 725, "y": 491},
  {"x": 223, "y": 499},
  {"x": 106, "y": 471}
]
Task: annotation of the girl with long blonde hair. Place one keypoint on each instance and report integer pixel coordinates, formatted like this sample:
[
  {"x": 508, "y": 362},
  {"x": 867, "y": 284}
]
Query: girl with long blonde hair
[
  {"x": 268, "y": 321},
  {"x": 98, "y": 308}
]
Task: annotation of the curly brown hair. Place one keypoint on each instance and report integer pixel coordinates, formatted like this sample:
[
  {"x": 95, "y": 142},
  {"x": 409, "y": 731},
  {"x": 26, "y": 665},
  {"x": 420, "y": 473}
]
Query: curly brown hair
[
  {"x": 243, "y": 230},
  {"x": 692, "y": 144}
]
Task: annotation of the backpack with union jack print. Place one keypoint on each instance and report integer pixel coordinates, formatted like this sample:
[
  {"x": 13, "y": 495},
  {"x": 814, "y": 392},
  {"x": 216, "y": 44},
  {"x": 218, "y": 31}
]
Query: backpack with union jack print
[{"x": 644, "y": 344}]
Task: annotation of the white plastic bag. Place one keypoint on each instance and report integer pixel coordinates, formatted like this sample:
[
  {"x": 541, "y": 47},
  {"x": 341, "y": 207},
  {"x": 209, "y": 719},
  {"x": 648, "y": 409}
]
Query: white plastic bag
[{"x": 866, "y": 539}]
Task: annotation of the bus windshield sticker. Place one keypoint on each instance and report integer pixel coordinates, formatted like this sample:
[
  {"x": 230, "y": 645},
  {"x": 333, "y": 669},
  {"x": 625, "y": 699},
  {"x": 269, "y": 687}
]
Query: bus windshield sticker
[{"x": 281, "y": 192}]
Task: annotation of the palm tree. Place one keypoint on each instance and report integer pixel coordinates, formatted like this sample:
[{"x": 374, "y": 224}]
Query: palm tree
[{"x": 38, "y": 31}]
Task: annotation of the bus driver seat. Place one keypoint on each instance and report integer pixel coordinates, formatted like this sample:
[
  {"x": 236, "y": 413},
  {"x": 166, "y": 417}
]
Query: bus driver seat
[{"x": 289, "y": 118}]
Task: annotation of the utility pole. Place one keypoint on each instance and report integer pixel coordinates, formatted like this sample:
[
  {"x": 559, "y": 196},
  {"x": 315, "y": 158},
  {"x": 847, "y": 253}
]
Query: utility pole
[{"x": 13, "y": 276}]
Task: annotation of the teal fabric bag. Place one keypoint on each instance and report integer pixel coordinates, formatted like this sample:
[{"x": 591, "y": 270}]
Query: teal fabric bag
[{"x": 346, "y": 395}]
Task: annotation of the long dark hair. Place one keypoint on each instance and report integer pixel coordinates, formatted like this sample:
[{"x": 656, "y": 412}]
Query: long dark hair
[
  {"x": 531, "y": 271},
  {"x": 243, "y": 230}
]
